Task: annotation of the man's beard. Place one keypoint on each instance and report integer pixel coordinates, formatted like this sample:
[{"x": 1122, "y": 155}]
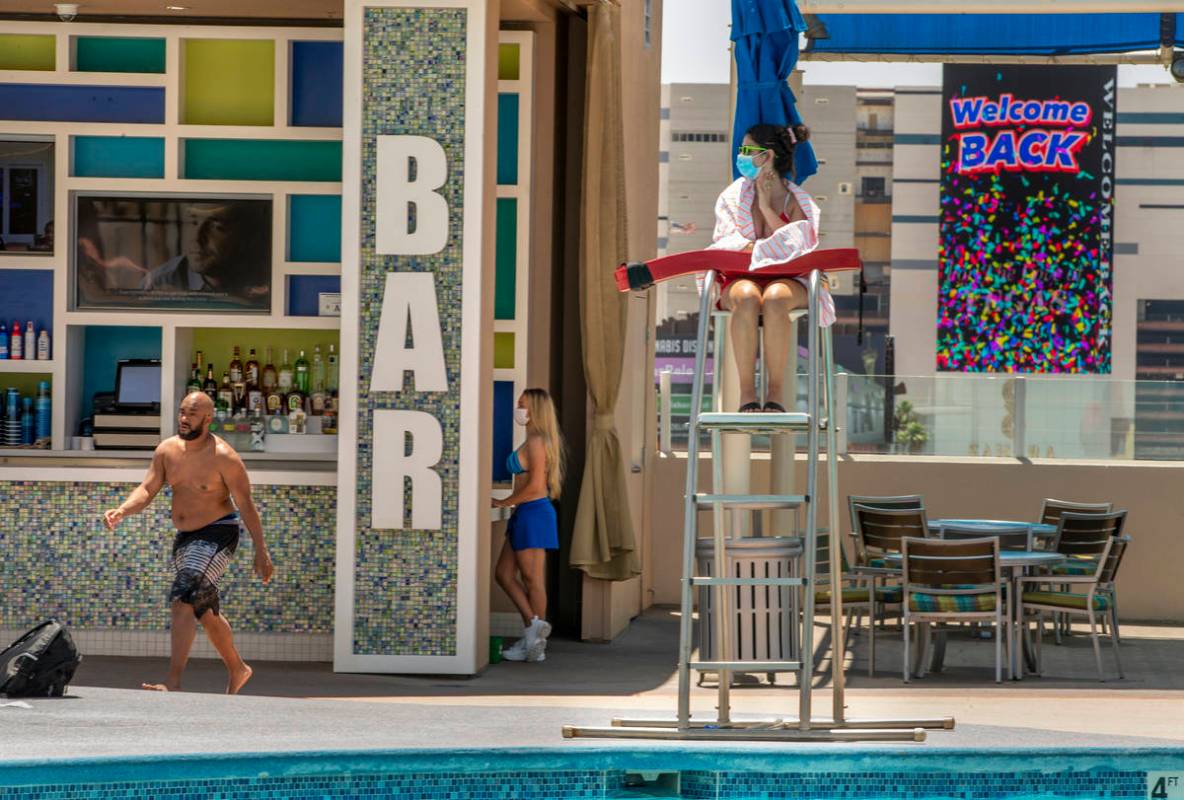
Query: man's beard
[{"x": 193, "y": 434}]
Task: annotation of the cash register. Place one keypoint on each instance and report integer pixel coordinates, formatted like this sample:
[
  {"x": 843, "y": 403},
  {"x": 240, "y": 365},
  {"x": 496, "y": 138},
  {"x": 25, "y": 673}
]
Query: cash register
[{"x": 132, "y": 420}]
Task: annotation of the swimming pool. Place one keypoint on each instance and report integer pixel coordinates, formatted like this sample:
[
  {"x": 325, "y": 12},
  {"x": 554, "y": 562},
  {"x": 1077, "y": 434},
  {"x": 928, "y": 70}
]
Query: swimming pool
[{"x": 737, "y": 773}]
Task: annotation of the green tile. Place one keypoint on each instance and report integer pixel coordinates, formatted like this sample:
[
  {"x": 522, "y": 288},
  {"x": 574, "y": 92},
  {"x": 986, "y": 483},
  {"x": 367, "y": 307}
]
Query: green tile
[
  {"x": 117, "y": 157},
  {"x": 506, "y": 260},
  {"x": 508, "y": 57},
  {"x": 118, "y": 54},
  {"x": 27, "y": 51},
  {"x": 228, "y": 82},
  {"x": 507, "y": 139},
  {"x": 261, "y": 160},
  {"x": 503, "y": 351}
]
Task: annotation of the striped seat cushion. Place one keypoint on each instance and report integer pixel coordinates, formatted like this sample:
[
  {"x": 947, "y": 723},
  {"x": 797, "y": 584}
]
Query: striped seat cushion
[
  {"x": 884, "y": 594},
  {"x": 1076, "y": 566},
  {"x": 920, "y": 601},
  {"x": 1065, "y": 600}
]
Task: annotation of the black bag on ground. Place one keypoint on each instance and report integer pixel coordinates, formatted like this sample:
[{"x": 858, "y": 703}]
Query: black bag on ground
[{"x": 39, "y": 664}]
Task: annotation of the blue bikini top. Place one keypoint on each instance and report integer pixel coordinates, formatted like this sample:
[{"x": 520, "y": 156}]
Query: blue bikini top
[{"x": 513, "y": 464}]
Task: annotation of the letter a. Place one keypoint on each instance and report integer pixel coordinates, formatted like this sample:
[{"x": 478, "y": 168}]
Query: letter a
[
  {"x": 409, "y": 297},
  {"x": 396, "y": 193},
  {"x": 393, "y": 465}
]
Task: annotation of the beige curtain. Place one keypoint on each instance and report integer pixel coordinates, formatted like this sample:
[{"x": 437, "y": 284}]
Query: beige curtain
[{"x": 603, "y": 543}]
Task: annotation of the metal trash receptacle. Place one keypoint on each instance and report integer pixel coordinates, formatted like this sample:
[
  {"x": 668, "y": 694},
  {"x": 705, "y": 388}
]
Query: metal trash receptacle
[{"x": 763, "y": 617}]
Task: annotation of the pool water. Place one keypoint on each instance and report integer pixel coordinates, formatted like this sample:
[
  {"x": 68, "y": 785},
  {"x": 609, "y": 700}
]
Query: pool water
[{"x": 735, "y": 773}]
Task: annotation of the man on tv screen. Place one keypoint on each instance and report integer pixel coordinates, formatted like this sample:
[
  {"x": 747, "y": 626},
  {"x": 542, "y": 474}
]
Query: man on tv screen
[{"x": 174, "y": 253}]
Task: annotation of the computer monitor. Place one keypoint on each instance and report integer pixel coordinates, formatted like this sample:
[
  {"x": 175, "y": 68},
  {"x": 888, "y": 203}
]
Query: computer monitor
[{"x": 137, "y": 385}]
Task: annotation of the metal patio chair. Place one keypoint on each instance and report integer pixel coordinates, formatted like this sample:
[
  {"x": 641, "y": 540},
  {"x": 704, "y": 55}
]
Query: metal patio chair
[{"x": 953, "y": 581}]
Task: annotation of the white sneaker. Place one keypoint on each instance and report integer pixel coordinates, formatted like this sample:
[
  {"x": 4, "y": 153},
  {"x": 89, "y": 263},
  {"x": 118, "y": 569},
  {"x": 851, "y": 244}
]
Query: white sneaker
[
  {"x": 516, "y": 652},
  {"x": 536, "y": 639}
]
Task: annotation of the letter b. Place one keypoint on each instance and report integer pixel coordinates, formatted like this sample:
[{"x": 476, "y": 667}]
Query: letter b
[{"x": 396, "y": 193}]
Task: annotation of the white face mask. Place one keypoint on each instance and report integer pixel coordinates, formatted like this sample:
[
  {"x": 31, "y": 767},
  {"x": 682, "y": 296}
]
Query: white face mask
[{"x": 521, "y": 416}]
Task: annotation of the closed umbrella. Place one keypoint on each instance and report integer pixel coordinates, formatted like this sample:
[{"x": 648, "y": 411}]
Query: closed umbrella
[{"x": 765, "y": 33}]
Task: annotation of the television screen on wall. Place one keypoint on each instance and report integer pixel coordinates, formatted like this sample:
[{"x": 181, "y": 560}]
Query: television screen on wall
[{"x": 172, "y": 253}]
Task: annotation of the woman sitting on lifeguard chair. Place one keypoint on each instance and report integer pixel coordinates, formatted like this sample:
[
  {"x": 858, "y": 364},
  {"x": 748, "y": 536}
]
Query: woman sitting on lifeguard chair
[{"x": 765, "y": 213}]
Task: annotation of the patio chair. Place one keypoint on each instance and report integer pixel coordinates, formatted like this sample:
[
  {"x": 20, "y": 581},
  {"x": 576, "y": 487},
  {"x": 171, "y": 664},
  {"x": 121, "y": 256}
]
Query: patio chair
[
  {"x": 1018, "y": 539},
  {"x": 908, "y": 501},
  {"x": 1050, "y": 513},
  {"x": 858, "y": 592},
  {"x": 1080, "y": 536},
  {"x": 1095, "y": 595},
  {"x": 953, "y": 581}
]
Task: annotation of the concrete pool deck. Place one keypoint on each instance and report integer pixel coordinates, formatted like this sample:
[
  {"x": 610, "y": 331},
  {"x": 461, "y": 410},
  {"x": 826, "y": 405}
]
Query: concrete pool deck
[{"x": 301, "y": 707}]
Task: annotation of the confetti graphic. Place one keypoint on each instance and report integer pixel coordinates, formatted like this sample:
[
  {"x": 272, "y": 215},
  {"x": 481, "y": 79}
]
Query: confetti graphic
[{"x": 1025, "y": 250}]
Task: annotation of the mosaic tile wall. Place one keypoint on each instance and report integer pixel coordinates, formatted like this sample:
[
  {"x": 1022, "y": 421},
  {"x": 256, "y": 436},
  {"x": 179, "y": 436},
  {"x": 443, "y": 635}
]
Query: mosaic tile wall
[
  {"x": 581, "y": 784},
  {"x": 58, "y": 559},
  {"x": 1103, "y": 783},
  {"x": 413, "y": 83}
]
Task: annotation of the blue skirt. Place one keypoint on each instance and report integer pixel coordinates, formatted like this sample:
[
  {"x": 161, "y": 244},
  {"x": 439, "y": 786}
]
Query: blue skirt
[{"x": 532, "y": 525}]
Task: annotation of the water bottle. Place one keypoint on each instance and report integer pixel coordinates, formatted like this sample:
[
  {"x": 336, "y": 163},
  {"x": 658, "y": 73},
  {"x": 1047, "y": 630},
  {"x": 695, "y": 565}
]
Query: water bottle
[
  {"x": 44, "y": 405},
  {"x": 27, "y": 425}
]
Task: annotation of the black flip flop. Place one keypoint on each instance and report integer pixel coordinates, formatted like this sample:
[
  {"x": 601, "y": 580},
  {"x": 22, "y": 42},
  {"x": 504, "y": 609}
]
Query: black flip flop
[
  {"x": 750, "y": 408},
  {"x": 774, "y": 408}
]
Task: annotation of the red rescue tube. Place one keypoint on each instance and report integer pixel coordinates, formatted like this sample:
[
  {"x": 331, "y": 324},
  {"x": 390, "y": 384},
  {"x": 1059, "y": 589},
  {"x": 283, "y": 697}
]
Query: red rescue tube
[{"x": 732, "y": 265}]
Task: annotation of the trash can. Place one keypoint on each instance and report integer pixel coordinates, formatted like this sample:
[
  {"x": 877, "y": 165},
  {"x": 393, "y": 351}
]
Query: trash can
[{"x": 764, "y": 618}]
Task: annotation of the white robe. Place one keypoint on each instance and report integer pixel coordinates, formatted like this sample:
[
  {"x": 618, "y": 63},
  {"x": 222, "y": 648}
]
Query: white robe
[{"x": 735, "y": 230}]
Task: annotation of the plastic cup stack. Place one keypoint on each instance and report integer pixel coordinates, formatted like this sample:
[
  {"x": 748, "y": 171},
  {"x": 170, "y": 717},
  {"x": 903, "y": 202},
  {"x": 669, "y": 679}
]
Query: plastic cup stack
[{"x": 12, "y": 418}]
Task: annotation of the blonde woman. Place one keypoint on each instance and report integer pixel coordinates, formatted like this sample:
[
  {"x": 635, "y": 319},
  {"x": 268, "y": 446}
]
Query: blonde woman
[{"x": 537, "y": 467}]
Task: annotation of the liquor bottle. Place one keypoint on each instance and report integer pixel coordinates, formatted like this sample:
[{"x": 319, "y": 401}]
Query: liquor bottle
[
  {"x": 294, "y": 401},
  {"x": 270, "y": 378},
  {"x": 194, "y": 384},
  {"x": 226, "y": 394},
  {"x": 317, "y": 393},
  {"x": 43, "y": 345},
  {"x": 252, "y": 375},
  {"x": 332, "y": 378},
  {"x": 16, "y": 342},
  {"x": 239, "y": 390},
  {"x": 273, "y": 401},
  {"x": 284, "y": 383},
  {"x": 302, "y": 374},
  {"x": 236, "y": 366},
  {"x": 3, "y": 341},
  {"x": 201, "y": 363},
  {"x": 210, "y": 387}
]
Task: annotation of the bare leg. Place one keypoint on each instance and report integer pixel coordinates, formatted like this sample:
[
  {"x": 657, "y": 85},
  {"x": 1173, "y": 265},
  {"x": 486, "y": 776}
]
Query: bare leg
[
  {"x": 778, "y": 300},
  {"x": 744, "y": 301},
  {"x": 507, "y": 578},
  {"x": 532, "y": 564},
  {"x": 218, "y": 632},
  {"x": 182, "y": 633}
]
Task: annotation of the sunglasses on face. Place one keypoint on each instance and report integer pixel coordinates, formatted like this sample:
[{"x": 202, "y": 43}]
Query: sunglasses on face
[{"x": 752, "y": 150}]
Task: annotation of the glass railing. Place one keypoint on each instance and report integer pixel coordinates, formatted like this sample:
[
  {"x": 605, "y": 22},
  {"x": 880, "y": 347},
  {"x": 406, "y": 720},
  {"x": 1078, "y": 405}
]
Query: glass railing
[{"x": 1031, "y": 416}]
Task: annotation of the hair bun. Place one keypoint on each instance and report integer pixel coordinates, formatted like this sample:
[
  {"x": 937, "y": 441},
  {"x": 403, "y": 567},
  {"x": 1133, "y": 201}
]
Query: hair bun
[{"x": 801, "y": 132}]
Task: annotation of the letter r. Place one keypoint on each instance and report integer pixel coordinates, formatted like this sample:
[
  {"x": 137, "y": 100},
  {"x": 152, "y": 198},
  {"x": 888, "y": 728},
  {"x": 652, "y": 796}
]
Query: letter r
[
  {"x": 395, "y": 194},
  {"x": 392, "y": 465}
]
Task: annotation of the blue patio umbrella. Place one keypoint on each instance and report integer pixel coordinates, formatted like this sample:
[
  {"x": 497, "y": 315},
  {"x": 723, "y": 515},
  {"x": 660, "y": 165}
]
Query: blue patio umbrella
[{"x": 766, "y": 34}]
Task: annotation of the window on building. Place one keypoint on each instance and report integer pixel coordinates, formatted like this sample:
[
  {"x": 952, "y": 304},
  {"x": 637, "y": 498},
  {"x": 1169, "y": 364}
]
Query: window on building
[
  {"x": 873, "y": 187},
  {"x": 705, "y": 137},
  {"x": 26, "y": 195}
]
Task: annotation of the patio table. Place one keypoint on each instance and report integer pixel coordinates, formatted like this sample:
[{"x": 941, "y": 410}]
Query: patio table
[
  {"x": 1014, "y": 564},
  {"x": 988, "y": 527}
]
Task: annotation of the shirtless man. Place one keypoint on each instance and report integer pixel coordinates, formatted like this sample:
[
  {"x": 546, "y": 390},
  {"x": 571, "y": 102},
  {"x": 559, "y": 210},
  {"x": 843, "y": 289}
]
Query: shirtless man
[{"x": 204, "y": 473}]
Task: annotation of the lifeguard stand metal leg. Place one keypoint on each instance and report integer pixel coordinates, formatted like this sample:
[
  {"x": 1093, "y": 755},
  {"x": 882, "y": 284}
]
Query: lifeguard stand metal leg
[{"x": 819, "y": 418}]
